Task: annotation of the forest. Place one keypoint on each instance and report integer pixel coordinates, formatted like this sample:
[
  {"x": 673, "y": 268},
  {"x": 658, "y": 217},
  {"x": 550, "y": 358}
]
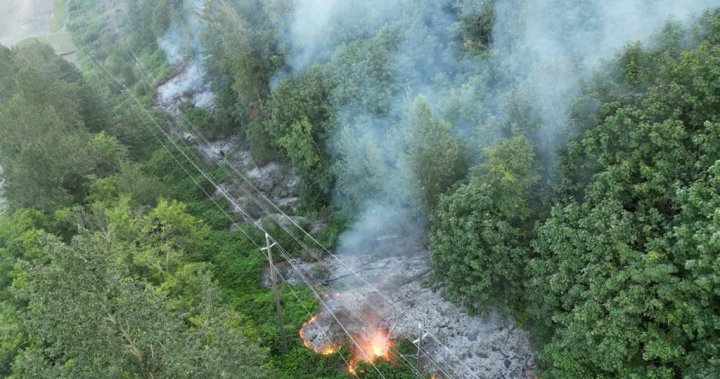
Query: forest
[{"x": 572, "y": 187}]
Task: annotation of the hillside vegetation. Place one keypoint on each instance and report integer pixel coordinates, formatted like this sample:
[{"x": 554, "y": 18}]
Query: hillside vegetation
[{"x": 601, "y": 237}]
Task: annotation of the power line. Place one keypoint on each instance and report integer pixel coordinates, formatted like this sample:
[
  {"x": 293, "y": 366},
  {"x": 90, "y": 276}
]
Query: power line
[
  {"x": 190, "y": 129},
  {"x": 218, "y": 188},
  {"x": 307, "y": 310},
  {"x": 263, "y": 230},
  {"x": 198, "y": 135}
]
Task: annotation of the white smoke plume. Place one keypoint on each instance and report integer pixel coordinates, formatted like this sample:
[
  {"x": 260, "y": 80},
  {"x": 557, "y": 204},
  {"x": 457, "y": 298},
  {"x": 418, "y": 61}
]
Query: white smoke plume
[
  {"x": 182, "y": 46},
  {"x": 309, "y": 30},
  {"x": 188, "y": 85},
  {"x": 387, "y": 54},
  {"x": 542, "y": 50},
  {"x": 182, "y": 38},
  {"x": 560, "y": 43}
]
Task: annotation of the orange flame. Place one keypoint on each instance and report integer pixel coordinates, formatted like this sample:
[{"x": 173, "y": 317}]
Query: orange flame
[
  {"x": 367, "y": 346},
  {"x": 370, "y": 347},
  {"x": 324, "y": 350},
  {"x": 329, "y": 349}
]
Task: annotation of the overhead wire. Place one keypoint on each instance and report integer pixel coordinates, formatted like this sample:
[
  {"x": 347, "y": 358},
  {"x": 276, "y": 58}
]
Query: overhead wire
[
  {"x": 310, "y": 315},
  {"x": 236, "y": 206},
  {"x": 207, "y": 177},
  {"x": 196, "y": 134}
]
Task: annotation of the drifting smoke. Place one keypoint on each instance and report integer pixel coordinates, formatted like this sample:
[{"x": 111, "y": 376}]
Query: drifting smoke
[
  {"x": 182, "y": 46},
  {"x": 318, "y": 27},
  {"x": 308, "y": 26},
  {"x": 182, "y": 39},
  {"x": 372, "y": 131},
  {"x": 172, "y": 44},
  {"x": 541, "y": 51},
  {"x": 190, "y": 82}
]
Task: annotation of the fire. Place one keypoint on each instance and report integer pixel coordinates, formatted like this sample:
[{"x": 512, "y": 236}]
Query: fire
[
  {"x": 331, "y": 348},
  {"x": 375, "y": 345},
  {"x": 372, "y": 346},
  {"x": 372, "y": 342}
]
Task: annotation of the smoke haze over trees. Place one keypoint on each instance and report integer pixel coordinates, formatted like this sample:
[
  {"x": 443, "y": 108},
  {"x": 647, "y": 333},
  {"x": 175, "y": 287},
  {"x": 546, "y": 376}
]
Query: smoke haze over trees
[{"x": 560, "y": 160}]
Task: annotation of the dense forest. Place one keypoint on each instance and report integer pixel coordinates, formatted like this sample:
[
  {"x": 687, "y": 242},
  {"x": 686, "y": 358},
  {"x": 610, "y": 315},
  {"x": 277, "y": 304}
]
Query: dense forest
[{"x": 588, "y": 214}]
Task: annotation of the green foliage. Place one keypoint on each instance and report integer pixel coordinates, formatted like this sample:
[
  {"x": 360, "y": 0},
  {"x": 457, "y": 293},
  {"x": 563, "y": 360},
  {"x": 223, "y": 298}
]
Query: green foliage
[
  {"x": 110, "y": 279},
  {"x": 625, "y": 312},
  {"x": 206, "y": 122},
  {"x": 241, "y": 42},
  {"x": 165, "y": 238},
  {"x": 436, "y": 157},
  {"x": 479, "y": 253},
  {"x": 239, "y": 268},
  {"x": 46, "y": 150},
  {"x": 510, "y": 174},
  {"x": 132, "y": 34},
  {"x": 107, "y": 153},
  {"x": 11, "y": 336},
  {"x": 300, "y": 124},
  {"x": 143, "y": 190},
  {"x": 619, "y": 280},
  {"x": 18, "y": 240},
  {"x": 120, "y": 326},
  {"x": 178, "y": 177},
  {"x": 580, "y": 253},
  {"x": 479, "y": 232},
  {"x": 8, "y": 70},
  {"x": 302, "y": 363},
  {"x": 363, "y": 73},
  {"x": 476, "y": 24},
  {"x": 625, "y": 277}
]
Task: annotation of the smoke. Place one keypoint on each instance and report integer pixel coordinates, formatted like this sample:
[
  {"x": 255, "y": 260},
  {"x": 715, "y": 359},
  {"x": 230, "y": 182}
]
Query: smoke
[
  {"x": 172, "y": 44},
  {"x": 188, "y": 86},
  {"x": 309, "y": 29},
  {"x": 541, "y": 51},
  {"x": 560, "y": 43},
  {"x": 182, "y": 46},
  {"x": 370, "y": 42},
  {"x": 182, "y": 38}
]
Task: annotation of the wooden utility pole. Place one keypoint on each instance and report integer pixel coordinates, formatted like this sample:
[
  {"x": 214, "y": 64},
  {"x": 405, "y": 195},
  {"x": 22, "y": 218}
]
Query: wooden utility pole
[
  {"x": 278, "y": 306},
  {"x": 419, "y": 348}
]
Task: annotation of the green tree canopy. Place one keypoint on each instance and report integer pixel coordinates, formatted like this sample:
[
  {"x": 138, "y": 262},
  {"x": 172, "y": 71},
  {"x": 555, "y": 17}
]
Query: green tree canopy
[
  {"x": 437, "y": 159},
  {"x": 87, "y": 317},
  {"x": 479, "y": 232}
]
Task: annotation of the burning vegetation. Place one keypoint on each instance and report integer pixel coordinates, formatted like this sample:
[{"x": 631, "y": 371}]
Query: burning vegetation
[
  {"x": 326, "y": 349},
  {"x": 370, "y": 347},
  {"x": 370, "y": 341}
]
